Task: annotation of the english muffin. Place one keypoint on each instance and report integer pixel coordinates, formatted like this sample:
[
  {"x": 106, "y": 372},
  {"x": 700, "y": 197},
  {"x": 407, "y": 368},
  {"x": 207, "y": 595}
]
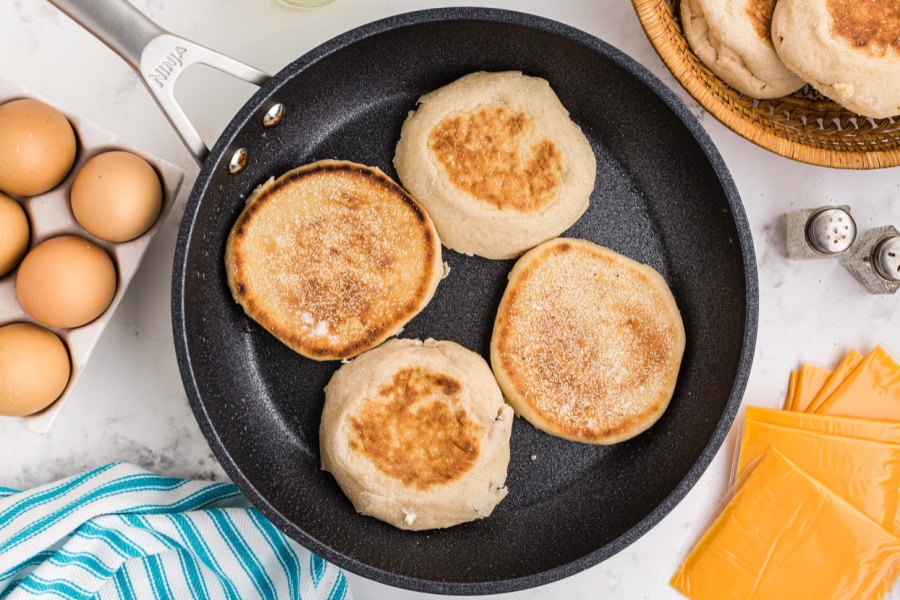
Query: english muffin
[
  {"x": 332, "y": 258},
  {"x": 417, "y": 434},
  {"x": 497, "y": 163},
  {"x": 847, "y": 49},
  {"x": 587, "y": 343},
  {"x": 732, "y": 38}
]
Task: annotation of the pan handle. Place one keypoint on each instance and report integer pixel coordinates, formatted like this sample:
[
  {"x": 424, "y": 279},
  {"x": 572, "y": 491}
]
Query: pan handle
[{"x": 158, "y": 57}]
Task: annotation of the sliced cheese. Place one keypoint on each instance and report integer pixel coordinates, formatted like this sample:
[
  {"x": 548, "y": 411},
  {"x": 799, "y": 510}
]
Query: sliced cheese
[
  {"x": 810, "y": 381},
  {"x": 871, "y": 391},
  {"x": 887, "y": 584},
  {"x": 850, "y": 362},
  {"x": 792, "y": 388},
  {"x": 863, "y": 472},
  {"x": 785, "y": 535},
  {"x": 884, "y": 431}
]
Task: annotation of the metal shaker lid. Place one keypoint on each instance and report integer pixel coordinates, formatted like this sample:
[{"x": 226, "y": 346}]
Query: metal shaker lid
[
  {"x": 886, "y": 258},
  {"x": 831, "y": 230}
]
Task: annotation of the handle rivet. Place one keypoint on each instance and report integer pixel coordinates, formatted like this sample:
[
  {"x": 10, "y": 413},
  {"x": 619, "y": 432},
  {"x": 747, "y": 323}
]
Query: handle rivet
[
  {"x": 274, "y": 115},
  {"x": 239, "y": 161}
]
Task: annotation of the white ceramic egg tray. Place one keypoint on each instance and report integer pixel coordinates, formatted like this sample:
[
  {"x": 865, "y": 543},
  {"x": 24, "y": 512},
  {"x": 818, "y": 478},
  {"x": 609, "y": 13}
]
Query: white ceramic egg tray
[{"x": 50, "y": 215}]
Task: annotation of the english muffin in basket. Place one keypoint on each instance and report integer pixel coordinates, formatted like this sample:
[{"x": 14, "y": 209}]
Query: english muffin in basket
[
  {"x": 587, "y": 343},
  {"x": 496, "y": 161},
  {"x": 332, "y": 258},
  {"x": 847, "y": 49},
  {"x": 417, "y": 434},
  {"x": 732, "y": 38}
]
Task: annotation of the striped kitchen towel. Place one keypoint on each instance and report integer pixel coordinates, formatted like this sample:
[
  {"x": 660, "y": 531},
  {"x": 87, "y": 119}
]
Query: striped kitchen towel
[{"x": 121, "y": 532}]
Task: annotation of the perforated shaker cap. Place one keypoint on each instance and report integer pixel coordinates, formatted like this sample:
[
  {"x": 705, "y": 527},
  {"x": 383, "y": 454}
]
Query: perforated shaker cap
[
  {"x": 886, "y": 258},
  {"x": 831, "y": 230}
]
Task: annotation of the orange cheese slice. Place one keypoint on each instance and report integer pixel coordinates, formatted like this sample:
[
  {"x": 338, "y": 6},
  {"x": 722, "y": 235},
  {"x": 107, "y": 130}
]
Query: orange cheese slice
[
  {"x": 883, "y": 431},
  {"x": 871, "y": 391},
  {"x": 810, "y": 381},
  {"x": 792, "y": 388},
  {"x": 887, "y": 584},
  {"x": 850, "y": 362},
  {"x": 784, "y": 535},
  {"x": 863, "y": 472}
]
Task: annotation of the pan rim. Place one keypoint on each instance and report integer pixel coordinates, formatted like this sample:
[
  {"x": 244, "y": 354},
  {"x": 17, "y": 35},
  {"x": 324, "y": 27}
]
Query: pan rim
[{"x": 215, "y": 161}]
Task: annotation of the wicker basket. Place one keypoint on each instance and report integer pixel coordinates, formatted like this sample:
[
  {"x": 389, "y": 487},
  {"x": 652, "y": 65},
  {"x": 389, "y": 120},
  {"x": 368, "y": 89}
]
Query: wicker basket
[{"x": 805, "y": 126}]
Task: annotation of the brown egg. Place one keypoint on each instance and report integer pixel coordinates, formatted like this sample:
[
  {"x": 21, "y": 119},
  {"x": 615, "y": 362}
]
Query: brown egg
[
  {"x": 37, "y": 147},
  {"x": 116, "y": 196},
  {"x": 66, "y": 282},
  {"x": 14, "y": 234},
  {"x": 34, "y": 369}
]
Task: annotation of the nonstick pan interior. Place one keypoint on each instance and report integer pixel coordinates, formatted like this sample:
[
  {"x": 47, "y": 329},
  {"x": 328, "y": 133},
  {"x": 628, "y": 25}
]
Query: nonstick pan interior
[{"x": 663, "y": 197}]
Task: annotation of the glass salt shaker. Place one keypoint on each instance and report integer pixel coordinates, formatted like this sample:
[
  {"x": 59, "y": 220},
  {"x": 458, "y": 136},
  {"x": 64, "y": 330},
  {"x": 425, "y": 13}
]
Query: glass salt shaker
[
  {"x": 875, "y": 261},
  {"x": 825, "y": 232}
]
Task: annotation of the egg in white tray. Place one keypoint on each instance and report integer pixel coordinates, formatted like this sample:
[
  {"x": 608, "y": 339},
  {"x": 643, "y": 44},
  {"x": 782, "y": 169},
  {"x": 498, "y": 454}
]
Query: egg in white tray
[{"x": 50, "y": 215}]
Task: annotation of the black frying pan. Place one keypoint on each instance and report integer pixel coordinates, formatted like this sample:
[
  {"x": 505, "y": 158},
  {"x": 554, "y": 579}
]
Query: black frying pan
[{"x": 663, "y": 196}]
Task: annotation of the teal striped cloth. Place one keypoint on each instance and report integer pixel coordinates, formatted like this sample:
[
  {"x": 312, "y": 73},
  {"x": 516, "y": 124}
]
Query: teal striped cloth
[{"x": 122, "y": 532}]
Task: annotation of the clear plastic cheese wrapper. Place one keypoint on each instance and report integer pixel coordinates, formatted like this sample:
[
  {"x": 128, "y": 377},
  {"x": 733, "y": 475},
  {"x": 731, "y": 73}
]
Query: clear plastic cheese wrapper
[
  {"x": 792, "y": 389},
  {"x": 871, "y": 391},
  {"x": 869, "y": 429},
  {"x": 864, "y": 472},
  {"x": 840, "y": 373},
  {"x": 785, "y": 535},
  {"x": 810, "y": 380}
]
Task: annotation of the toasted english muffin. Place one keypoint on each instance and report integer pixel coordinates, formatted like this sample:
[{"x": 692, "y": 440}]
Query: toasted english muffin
[
  {"x": 587, "y": 343},
  {"x": 732, "y": 38},
  {"x": 496, "y": 161},
  {"x": 417, "y": 434},
  {"x": 847, "y": 49},
  {"x": 332, "y": 258}
]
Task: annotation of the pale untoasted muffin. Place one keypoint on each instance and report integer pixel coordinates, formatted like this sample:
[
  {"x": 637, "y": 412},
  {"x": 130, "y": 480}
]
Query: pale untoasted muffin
[
  {"x": 847, "y": 49},
  {"x": 497, "y": 163},
  {"x": 417, "y": 434},
  {"x": 333, "y": 258},
  {"x": 587, "y": 343},
  {"x": 732, "y": 38}
]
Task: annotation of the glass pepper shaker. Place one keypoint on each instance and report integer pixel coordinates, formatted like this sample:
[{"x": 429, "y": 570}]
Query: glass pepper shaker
[
  {"x": 875, "y": 261},
  {"x": 825, "y": 232}
]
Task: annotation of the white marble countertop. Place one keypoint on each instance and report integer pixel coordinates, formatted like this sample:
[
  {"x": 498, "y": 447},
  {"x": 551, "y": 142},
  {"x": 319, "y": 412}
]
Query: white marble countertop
[{"x": 129, "y": 404}]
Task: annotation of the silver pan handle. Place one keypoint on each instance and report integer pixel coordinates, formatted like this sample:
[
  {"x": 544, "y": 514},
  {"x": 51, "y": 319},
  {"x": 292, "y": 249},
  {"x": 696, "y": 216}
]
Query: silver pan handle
[{"x": 158, "y": 57}]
